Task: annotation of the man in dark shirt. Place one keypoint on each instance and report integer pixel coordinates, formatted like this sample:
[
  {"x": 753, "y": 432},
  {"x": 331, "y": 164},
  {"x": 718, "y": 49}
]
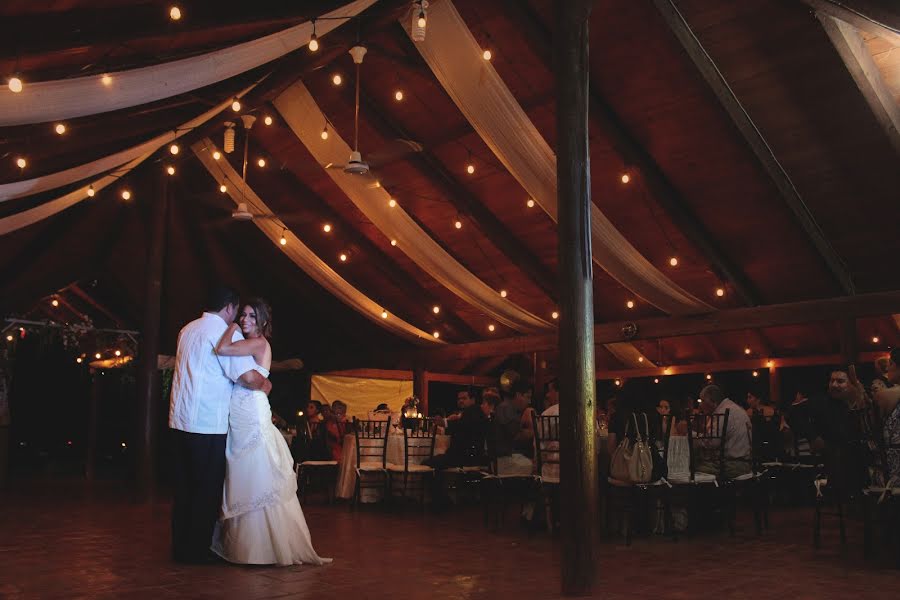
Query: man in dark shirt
[{"x": 466, "y": 431}]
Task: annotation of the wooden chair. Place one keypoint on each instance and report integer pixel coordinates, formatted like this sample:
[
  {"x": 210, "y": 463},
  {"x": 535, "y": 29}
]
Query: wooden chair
[
  {"x": 314, "y": 474},
  {"x": 497, "y": 486},
  {"x": 418, "y": 446},
  {"x": 371, "y": 454},
  {"x": 546, "y": 455},
  {"x": 754, "y": 483}
]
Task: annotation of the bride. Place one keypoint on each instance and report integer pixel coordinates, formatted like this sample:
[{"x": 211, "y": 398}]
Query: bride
[{"x": 261, "y": 522}]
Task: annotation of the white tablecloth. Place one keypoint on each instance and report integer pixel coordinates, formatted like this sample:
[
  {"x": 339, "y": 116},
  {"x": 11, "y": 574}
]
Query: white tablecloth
[{"x": 395, "y": 455}]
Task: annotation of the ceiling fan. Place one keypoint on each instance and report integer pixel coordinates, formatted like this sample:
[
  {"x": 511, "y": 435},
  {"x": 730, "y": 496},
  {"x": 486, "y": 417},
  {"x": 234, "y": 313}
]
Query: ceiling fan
[{"x": 396, "y": 150}]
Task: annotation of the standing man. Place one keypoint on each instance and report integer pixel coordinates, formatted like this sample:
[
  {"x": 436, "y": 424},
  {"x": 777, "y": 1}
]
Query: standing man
[{"x": 198, "y": 417}]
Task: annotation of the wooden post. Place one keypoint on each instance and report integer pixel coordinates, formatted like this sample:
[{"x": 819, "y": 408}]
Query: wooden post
[
  {"x": 775, "y": 386},
  {"x": 579, "y": 498},
  {"x": 90, "y": 459},
  {"x": 147, "y": 376}
]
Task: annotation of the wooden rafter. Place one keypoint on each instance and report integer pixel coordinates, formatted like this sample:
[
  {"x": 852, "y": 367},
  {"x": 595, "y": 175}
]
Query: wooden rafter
[
  {"x": 878, "y": 17},
  {"x": 754, "y": 139},
  {"x": 859, "y": 62},
  {"x": 76, "y": 290}
]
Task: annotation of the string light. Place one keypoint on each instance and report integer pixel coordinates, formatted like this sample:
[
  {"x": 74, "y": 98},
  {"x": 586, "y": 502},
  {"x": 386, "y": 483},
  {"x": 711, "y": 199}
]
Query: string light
[
  {"x": 126, "y": 195},
  {"x": 503, "y": 293},
  {"x": 174, "y": 149},
  {"x": 640, "y": 359},
  {"x": 123, "y": 445},
  {"x": 326, "y": 228},
  {"x": 384, "y": 314},
  {"x": 491, "y": 327},
  {"x": 875, "y": 340},
  {"x": 656, "y": 380},
  {"x": 267, "y": 120},
  {"x": 118, "y": 353},
  {"x": 630, "y": 304},
  {"x": 324, "y": 134},
  {"x": 217, "y": 155},
  {"x": 283, "y": 240},
  {"x": 436, "y": 334},
  {"x": 313, "y": 38},
  {"x": 667, "y": 371},
  {"x": 470, "y": 168},
  {"x": 55, "y": 302},
  {"x": 708, "y": 377},
  {"x": 398, "y": 95},
  {"x": 15, "y": 84},
  {"x": 170, "y": 170},
  {"x": 618, "y": 382},
  {"x": 393, "y": 242},
  {"x": 106, "y": 79},
  {"x": 720, "y": 292},
  {"x": 78, "y": 360},
  {"x": 436, "y": 309},
  {"x": 236, "y": 104},
  {"x": 343, "y": 257},
  {"x": 770, "y": 364},
  {"x": 97, "y": 356},
  {"x": 626, "y": 178},
  {"x": 90, "y": 191},
  {"x": 530, "y": 203},
  {"x": 337, "y": 79},
  {"x": 747, "y": 350},
  {"x": 756, "y": 373},
  {"x": 392, "y": 203},
  {"x": 60, "y": 128},
  {"x": 422, "y": 22},
  {"x": 554, "y": 314},
  {"x": 673, "y": 261},
  {"x": 486, "y": 55},
  {"x": 261, "y": 162},
  {"x": 21, "y": 162},
  {"x": 223, "y": 188},
  {"x": 175, "y": 13},
  {"x": 9, "y": 338},
  {"x": 458, "y": 224}
]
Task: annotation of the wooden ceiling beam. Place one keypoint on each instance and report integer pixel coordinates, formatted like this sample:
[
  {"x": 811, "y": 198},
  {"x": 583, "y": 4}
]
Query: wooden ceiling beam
[
  {"x": 76, "y": 290},
  {"x": 775, "y": 315},
  {"x": 754, "y": 139},
  {"x": 859, "y": 62},
  {"x": 877, "y": 17}
]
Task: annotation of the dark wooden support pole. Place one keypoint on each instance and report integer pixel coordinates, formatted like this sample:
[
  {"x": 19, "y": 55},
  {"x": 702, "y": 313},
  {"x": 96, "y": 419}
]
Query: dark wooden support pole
[
  {"x": 579, "y": 497},
  {"x": 147, "y": 376},
  {"x": 775, "y": 386},
  {"x": 90, "y": 459}
]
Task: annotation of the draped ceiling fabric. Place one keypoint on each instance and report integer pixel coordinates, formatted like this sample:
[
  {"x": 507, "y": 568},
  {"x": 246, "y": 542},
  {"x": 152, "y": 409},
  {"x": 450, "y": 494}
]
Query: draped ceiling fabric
[
  {"x": 629, "y": 355},
  {"x": 51, "y": 207},
  {"x": 69, "y": 98},
  {"x": 302, "y": 114},
  {"x": 301, "y": 254},
  {"x": 17, "y": 189},
  {"x": 455, "y": 58}
]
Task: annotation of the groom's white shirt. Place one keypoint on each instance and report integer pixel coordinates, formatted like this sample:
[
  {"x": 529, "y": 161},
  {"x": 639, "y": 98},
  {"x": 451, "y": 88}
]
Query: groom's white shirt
[{"x": 203, "y": 380}]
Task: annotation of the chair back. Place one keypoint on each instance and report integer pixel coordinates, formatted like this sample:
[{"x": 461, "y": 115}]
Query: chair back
[
  {"x": 546, "y": 447},
  {"x": 418, "y": 440},
  {"x": 371, "y": 440},
  {"x": 709, "y": 432},
  {"x": 666, "y": 425}
]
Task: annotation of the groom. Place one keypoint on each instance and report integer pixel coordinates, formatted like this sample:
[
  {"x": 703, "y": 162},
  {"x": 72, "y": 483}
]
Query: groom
[{"x": 198, "y": 417}]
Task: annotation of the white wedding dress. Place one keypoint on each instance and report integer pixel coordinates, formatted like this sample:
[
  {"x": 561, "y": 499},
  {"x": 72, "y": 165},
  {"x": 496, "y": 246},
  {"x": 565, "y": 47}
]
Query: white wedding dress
[{"x": 261, "y": 522}]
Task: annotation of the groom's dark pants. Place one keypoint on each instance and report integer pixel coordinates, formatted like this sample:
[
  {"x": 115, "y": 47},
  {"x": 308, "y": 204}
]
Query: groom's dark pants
[{"x": 199, "y": 477}]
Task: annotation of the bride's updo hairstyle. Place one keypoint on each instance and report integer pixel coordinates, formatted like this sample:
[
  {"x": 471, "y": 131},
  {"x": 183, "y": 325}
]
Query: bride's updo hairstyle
[{"x": 263, "y": 316}]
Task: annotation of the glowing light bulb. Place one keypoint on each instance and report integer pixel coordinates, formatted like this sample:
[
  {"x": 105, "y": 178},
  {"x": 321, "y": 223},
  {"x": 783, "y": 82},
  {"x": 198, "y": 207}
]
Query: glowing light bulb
[
  {"x": 174, "y": 149},
  {"x": 337, "y": 79},
  {"x": 21, "y": 162},
  {"x": 90, "y": 191},
  {"x": 875, "y": 340},
  {"x": 747, "y": 350},
  {"x": 268, "y": 120},
  {"x": 326, "y": 228},
  {"x": 9, "y": 338},
  {"x": 626, "y": 178},
  {"x": 126, "y": 195},
  {"x": 470, "y": 169},
  {"x": 398, "y": 95},
  {"x": 325, "y": 133},
  {"x": 530, "y": 203},
  {"x": 667, "y": 371},
  {"x": 630, "y": 304},
  {"x": 618, "y": 382},
  {"x": 313, "y": 43},
  {"x": 458, "y": 224},
  {"x": 60, "y": 128},
  {"x": 720, "y": 292},
  {"x": 15, "y": 84},
  {"x": 756, "y": 373},
  {"x": 97, "y": 356},
  {"x": 436, "y": 334},
  {"x": 223, "y": 188},
  {"x": 175, "y": 13},
  {"x": 491, "y": 327},
  {"x": 343, "y": 257},
  {"x": 503, "y": 293},
  {"x": 673, "y": 261},
  {"x": 640, "y": 359},
  {"x": 55, "y": 302},
  {"x": 393, "y": 242},
  {"x": 554, "y": 314},
  {"x": 236, "y": 105},
  {"x": 486, "y": 55},
  {"x": 436, "y": 309},
  {"x": 79, "y": 360},
  {"x": 118, "y": 353},
  {"x": 392, "y": 203},
  {"x": 123, "y": 445},
  {"x": 106, "y": 80},
  {"x": 261, "y": 162},
  {"x": 708, "y": 377},
  {"x": 770, "y": 364},
  {"x": 283, "y": 240},
  {"x": 655, "y": 380},
  {"x": 384, "y": 314},
  {"x": 422, "y": 22},
  {"x": 170, "y": 170},
  {"x": 217, "y": 155}
]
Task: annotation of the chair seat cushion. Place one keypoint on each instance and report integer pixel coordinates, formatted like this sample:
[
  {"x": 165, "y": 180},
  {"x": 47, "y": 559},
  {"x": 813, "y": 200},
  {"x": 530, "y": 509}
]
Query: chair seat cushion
[
  {"x": 411, "y": 469},
  {"x": 319, "y": 463},
  {"x": 748, "y": 476},
  {"x": 685, "y": 478}
]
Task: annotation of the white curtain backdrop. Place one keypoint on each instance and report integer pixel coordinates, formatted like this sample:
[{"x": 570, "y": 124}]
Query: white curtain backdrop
[
  {"x": 455, "y": 58},
  {"x": 17, "y": 189},
  {"x": 69, "y": 98},
  {"x": 301, "y": 254},
  {"x": 303, "y": 116},
  {"x": 51, "y": 207},
  {"x": 360, "y": 394}
]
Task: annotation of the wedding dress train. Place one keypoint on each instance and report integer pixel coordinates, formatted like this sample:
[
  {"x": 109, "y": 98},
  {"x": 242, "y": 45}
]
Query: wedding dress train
[{"x": 261, "y": 522}]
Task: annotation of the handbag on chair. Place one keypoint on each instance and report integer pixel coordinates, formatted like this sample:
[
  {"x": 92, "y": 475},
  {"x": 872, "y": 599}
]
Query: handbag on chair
[{"x": 632, "y": 461}]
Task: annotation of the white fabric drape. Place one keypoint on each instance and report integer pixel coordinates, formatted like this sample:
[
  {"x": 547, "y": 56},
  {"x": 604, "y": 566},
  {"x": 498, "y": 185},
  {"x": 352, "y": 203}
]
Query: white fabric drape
[
  {"x": 69, "y": 98},
  {"x": 51, "y": 207},
  {"x": 360, "y": 394},
  {"x": 629, "y": 355},
  {"x": 17, "y": 189},
  {"x": 301, "y": 254},
  {"x": 455, "y": 58},
  {"x": 303, "y": 116}
]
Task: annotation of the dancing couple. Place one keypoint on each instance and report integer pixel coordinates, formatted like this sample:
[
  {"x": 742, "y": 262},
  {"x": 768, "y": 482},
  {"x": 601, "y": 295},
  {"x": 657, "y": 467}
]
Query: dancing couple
[{"x": 235, "y": 488}]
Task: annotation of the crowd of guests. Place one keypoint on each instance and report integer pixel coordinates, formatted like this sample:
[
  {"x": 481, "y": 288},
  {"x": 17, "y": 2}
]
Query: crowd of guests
[{"x": 320, "y": 431}]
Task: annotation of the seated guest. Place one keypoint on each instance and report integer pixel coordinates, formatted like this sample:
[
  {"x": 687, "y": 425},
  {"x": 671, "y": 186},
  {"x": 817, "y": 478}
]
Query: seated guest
[
  {"x": 888, "y": 403},
  {"x": 551, "y": 398},
  {"x": 466, "y": 436},
  {"x": 665, "y": 412},
  {"x": 514, "y": 438},
  {"x": 464, "y": 399},
  {"x": 336, "y": 429},
  {"x": 737, "y": 435},
  {"x": 879, "y": 384},
  {"x": 489, "y": 401},
  {"x": 382, "y": 408},
  {"x": 309, "y": 443}
]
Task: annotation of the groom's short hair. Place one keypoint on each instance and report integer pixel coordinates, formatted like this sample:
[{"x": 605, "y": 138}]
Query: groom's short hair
[{"x": 220, "y": 297}]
